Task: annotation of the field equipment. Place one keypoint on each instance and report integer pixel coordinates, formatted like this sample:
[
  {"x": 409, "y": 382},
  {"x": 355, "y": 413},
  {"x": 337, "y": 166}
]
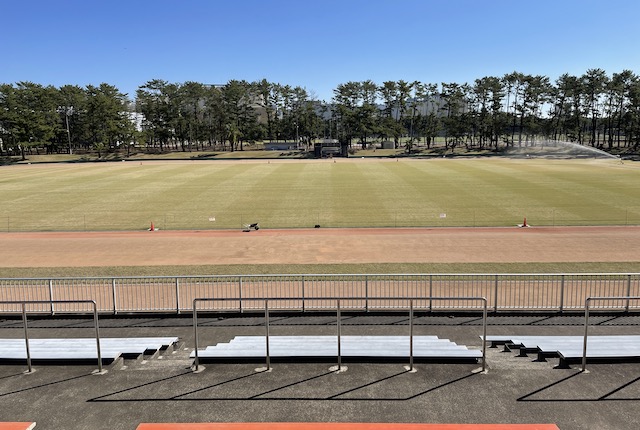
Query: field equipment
[{"x": 249, "y": 227}]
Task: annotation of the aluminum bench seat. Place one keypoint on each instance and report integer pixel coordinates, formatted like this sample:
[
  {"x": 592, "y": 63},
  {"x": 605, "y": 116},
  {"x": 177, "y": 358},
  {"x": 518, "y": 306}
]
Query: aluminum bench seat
[
  {"x": 343, "y": 337},
  {"x": 81, "y": 348},
  {"x": 570, "y": 348},
  {"x": 259, "y": 355},
  {"x": 254, "y": 347}
]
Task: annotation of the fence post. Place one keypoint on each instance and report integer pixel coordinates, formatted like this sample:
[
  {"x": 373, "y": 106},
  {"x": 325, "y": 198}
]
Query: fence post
[
  {"x": 628, "y": 292},
  {"x": 177, "y": 295},
  {"x": 51, "y": 295},
  {"x": 366, "y": 293},
  {"x": 495, "y": 297},
  {"x": 302, "y": 293},
  {"x": 114, "y": 295},
  {"x": 240, "y": 292},
  {"x": 430, "y": 293},
  {"x": 561, "y": 293}
]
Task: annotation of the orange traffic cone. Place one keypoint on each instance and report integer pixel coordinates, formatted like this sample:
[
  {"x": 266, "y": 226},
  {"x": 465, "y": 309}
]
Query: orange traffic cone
[
  {"x": 152, "y": 227},
  {"x": 524, "y": 223}
]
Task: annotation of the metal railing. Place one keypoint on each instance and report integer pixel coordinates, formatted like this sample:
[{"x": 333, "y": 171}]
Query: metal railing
[
  {"x": 170, "y": 294},
  {"x": 337, "y": 300},
  {"x": 23, "y": 305},
  {"x": 625, "y": 299}
]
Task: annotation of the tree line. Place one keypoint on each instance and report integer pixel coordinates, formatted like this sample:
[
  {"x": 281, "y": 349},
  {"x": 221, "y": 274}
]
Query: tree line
[{"x": 491, "y": 113}]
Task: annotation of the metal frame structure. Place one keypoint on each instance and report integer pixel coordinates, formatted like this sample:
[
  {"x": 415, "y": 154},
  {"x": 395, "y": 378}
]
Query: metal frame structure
[
  {"x": 23, "y": 304},
  {"x": 627, "y": 299},
  {"x": 337, "y": 300}
]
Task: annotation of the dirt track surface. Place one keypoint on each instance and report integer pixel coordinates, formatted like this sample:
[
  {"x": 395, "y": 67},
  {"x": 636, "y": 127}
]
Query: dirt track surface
[{"x": 322, "y": 246}]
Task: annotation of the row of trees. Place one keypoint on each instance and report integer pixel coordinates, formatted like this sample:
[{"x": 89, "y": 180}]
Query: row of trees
[
  {"x": 38, "y": 118},
  {"x": 197, "y": 116},
  {"x": 492, "y": 112},
  {"x": 593, "y": 109}
]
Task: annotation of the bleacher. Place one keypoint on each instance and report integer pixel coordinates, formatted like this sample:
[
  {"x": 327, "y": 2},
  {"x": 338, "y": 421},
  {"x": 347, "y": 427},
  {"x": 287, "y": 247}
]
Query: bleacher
[
  {"x": 326, "y": 347},
  {"x": 82, "y": 349},
  {"x": 570, "y": 348}
]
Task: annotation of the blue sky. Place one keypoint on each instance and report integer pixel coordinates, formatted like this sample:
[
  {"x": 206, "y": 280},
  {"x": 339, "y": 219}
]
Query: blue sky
[{"x": 313, "y": 44}]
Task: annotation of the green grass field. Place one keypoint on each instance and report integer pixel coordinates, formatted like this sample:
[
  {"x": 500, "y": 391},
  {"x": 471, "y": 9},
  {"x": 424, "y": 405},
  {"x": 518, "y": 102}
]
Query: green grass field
[{"x": 347, "y": 193}]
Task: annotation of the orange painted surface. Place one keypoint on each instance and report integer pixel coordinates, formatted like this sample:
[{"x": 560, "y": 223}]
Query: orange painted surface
[
  {"x": 17, "y": 426},
  {"x": 343, "y": 426}
]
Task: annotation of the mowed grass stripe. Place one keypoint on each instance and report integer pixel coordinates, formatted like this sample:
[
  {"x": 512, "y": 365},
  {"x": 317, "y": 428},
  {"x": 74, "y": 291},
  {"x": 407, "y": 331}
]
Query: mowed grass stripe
[
  {"x": 460, "y": 193},
  {"x": 125, "y": 196},
  {"x": 560, "y": 192}
]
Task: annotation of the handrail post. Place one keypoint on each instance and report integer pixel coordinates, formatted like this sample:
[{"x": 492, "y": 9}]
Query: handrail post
[
  {"x": 26, "y": 336},
  {"x": 114, "y": 295},
  {"x": 484, "y": 335},
  {"x": 411, "y": 335},
  {"x": 266, "y": 324},
  {"x": 338, "y": 318},
  {"x": 586, "y": 335},
  {"x": 95, "y": 320},
  {"x": 196, "y": 363}
]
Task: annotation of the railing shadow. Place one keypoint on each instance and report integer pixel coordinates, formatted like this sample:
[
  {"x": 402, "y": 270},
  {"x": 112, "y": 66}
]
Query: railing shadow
[
  {"x": 262, "y": 396},
  {"x": 604, "y": 397}
]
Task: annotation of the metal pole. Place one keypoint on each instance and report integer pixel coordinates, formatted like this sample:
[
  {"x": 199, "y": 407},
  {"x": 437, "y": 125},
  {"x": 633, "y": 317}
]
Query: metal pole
[
  {"x": 339, "y": 335},
  {"x": 430, "y": 292},
  {"x": 266, "y": 324},
  {"x": 95, "y": 320},
  {"x": 51, "y": 295},
  {"x": 628, "y": 293},
  {"x": 240, "y": 292},
  {"x": 495, "y": 297},
  {"x": 411, "y": 335},
  {"x": 177, "y": 295},
  {"x": 26, "y": 336},
  {"x": 303, "y": 294},
  {"x": 366, "y": 293},
  {"x": 196, "y": 363},
  {"x": 484, "y": 336},
  {"x": 561, "y": 293},
  {"x": 586, "y": 334},
  {"x": 115, "y": 297}
]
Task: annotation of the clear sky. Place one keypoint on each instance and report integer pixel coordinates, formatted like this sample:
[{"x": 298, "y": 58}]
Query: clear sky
[{"x": 316, "y": 44}]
